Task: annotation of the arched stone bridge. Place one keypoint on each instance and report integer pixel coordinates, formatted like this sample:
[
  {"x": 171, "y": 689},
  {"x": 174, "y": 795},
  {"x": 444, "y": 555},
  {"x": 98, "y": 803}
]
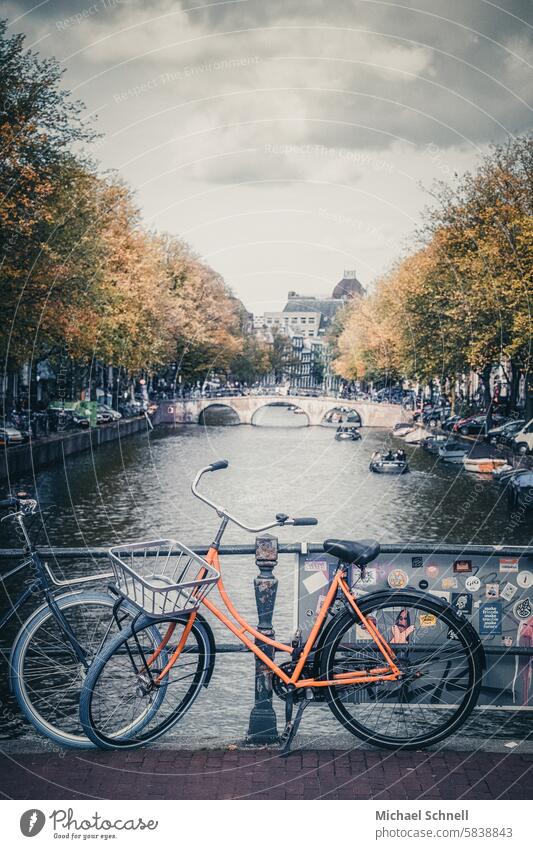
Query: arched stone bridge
[{"x": 246, "y": 406}]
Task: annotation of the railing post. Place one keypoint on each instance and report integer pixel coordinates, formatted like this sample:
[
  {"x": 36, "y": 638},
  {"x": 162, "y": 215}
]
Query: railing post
[{"x": 262, "y": 727}]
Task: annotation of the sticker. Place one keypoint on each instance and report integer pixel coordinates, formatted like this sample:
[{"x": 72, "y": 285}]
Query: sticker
[
  {"x": 423, "y": 584},
  {"x": 472, "y": 584},
  {"x": 462, "y": 602},
  {"x": 490, "y": 618},
  {"x": 309, "y": 612},
  {"x": 315, "y": 582},
  {"x": 524, "y": 579},
  {"x": 508, "y": 592},
  {"x": 449, "y": 583},
  {"x": 402, "y": 628},
  {"x": 440, "y": 594},
  {"x": 507, "y": 642},
  {"x": 508, "y": 564},
  {"x": 523, "y": 609},
  {"x": 316, "y": 566},
  {"x": 398, "y": 579},
  {"x": 320, "y": 602},
  {"x": 492, "y": 590},
  {"x": 432, "y": 571},
  {"x": 370, "y": 578},
  {"x": 477, "y": 603},
  {"x": 417, "y": 562},
  {"x": 461, "y": 567},
  {"x": 427, "y": 620}
]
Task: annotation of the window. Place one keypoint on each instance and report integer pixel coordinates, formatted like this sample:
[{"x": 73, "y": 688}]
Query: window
[{"x": 311, "y": 320}]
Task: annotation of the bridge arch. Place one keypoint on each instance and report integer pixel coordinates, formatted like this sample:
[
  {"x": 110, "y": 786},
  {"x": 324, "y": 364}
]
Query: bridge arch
[
  {"x": 210, "y": 410},
  {"x": 286, "y": 404},
  {"x": 347, "y": 413}
]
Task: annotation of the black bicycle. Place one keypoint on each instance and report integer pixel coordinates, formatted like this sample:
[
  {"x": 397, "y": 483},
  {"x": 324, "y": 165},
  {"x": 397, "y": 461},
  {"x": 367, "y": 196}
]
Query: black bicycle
[{"x": 54, "y": 647}]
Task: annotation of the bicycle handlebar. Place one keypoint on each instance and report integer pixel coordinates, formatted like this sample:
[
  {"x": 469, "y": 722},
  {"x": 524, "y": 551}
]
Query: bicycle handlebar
[{"x": 281, "y": 519}]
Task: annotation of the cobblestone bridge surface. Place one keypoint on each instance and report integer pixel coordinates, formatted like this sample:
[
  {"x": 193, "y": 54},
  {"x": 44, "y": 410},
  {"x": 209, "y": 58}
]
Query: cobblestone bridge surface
[{"x": 261, "y": 774}]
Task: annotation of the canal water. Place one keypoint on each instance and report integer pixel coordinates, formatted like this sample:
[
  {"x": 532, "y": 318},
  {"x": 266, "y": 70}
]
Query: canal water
[{"x": 140, "y": 488}]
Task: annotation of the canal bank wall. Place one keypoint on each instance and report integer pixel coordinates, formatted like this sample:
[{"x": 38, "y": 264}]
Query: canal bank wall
[{"x": 53, "y": 449}]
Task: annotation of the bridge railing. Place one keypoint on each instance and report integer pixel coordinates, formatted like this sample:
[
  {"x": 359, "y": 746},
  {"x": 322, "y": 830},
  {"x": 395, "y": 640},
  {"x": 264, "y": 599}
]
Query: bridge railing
[{"x": 497, "y": 600}]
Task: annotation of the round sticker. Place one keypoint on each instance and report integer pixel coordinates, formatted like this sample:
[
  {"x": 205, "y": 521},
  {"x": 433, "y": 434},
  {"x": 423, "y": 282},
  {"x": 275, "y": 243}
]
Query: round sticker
[
  {"x": 472, "y": 584},
  {"x": 524, "y": 579},
  {"x": 423, "y": 584},
  {"x": 398, "y": 579},
  {"x": 432, "y": 571},
  {"x": 523, "y": 609}
]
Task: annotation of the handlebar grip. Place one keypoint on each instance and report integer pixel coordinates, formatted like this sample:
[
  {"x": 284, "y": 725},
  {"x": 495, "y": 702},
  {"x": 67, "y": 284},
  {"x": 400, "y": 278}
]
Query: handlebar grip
[
  {"x": 306, "y": 520},
  {"x": 219, "y": 464}
]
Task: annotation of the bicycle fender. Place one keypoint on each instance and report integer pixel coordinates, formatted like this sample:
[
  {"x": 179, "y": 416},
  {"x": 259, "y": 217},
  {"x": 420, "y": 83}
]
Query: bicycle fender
[{"x": 212, "y": 647}]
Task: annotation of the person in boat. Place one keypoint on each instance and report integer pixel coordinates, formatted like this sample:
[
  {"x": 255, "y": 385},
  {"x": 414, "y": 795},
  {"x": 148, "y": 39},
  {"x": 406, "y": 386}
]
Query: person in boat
[
  {"x": 389, "y": 456},
  {"x": 401, "y": 455}
]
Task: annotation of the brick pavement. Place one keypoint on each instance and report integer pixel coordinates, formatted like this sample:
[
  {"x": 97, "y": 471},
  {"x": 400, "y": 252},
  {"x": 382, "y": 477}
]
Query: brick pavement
[{"x": 261, "y": 774}]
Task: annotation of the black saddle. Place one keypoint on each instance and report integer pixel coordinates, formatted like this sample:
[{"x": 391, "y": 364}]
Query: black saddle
[{"x": 358, "y": 552}]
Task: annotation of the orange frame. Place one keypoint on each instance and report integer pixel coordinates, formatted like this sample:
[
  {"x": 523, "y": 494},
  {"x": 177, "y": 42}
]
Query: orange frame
[{"x": 390, "y": 672}]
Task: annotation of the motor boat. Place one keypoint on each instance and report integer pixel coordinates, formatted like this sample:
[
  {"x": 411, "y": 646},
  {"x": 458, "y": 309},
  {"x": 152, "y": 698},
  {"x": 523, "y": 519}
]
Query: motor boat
[
  {"x": 415, "y": 436},
  {"x": 502, "y": 472},
  {"x": 344, "y": 432},
  {"x": 388, "y": 464},
  {"x": 520, "y": 490},
  {"x": 483, "y": 465},
  {"x": 452, "y": 452},
  {"x": 401, "y": 428},
  {"x": 433, "y": 443}
]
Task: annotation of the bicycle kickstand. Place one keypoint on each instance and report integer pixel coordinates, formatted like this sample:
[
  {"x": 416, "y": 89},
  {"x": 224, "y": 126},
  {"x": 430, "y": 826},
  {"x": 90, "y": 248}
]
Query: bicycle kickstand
[{"x": 291, "y": 728}]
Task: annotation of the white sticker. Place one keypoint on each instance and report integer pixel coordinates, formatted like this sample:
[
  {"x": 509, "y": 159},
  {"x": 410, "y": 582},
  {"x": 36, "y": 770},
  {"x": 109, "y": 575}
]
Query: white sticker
[
  {"x": 472, "y": 584},
  {"x": 315, "y": 566},
  {"x": 320, "y": 602},
  {"x": 524, "y": 579},
  {"x": 523, "y": 609},
  {"x": 370, "y": 578},
  {"x": 508, "y": 592},
  {"x": 492, "y": 590},
  {"x": 398, "y": 579},
  {"x": 508, "y": 564},
  {"x": 315, "y": 582}
]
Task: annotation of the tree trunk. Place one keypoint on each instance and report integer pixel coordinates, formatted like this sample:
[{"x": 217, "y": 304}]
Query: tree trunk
[
  {"x": 487, "y": 398},
  {"x": 529, "y": 396},
  {"x": 513, "y": 389}
]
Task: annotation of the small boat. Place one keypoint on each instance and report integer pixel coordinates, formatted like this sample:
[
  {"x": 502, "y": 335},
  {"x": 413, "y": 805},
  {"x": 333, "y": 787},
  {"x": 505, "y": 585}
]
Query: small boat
[
  {"x": 433, "y": 443},
  {"x": 347, "y": 433},
  {"x": 401, "y": 428},
  {"x": 385, "y": 466},
  {"x": 503, "y": 472},
  {"x": 413, "y": 437},
  {"x": 452, "y": 452},
  {"x": 482, "y": 465},
  {"x": 520, "y": 490}
]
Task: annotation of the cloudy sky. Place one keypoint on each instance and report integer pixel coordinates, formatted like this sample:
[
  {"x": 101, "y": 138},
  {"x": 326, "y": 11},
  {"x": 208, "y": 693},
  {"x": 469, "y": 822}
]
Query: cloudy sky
[{"x": 288, "y": 140}]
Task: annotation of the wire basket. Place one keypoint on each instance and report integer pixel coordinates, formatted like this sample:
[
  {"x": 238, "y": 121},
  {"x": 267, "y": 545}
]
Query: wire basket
[{"x": 162, "y": 576}]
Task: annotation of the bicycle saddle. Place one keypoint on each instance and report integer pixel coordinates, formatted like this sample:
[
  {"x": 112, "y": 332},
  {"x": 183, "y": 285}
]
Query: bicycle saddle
[{"x": 357, "y": 552}]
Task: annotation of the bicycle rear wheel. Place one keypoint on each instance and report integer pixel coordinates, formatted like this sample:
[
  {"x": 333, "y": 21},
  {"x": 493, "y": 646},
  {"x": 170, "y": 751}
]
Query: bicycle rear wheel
[
  {"x": 438, "y": 653},
  {"x": 122, "y": 683}
]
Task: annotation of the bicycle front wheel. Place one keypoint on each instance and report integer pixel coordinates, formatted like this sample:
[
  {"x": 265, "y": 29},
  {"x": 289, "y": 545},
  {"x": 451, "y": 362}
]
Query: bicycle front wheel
[
  {"x": 47, "y": 675},
  {"x": 122, "y": 685},
  {"x": 439, "y": 656}
]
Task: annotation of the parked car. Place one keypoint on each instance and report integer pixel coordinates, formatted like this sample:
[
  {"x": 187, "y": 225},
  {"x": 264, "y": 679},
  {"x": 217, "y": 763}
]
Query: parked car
[
  {"x": 105, "y": 409},
  {"x": 476, "y": 424},
  {"x": 504, "y": 433},
  {"x": 10, "y": 435},
  {"x": 523, "y": 441}
]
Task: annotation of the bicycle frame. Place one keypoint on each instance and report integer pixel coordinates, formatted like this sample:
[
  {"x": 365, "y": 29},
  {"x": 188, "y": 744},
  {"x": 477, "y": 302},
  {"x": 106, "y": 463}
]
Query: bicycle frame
[{"x": 388, "y": 672}]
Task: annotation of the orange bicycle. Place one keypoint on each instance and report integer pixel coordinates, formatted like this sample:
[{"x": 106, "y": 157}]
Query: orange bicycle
[{"x": 398, "y": 669}]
